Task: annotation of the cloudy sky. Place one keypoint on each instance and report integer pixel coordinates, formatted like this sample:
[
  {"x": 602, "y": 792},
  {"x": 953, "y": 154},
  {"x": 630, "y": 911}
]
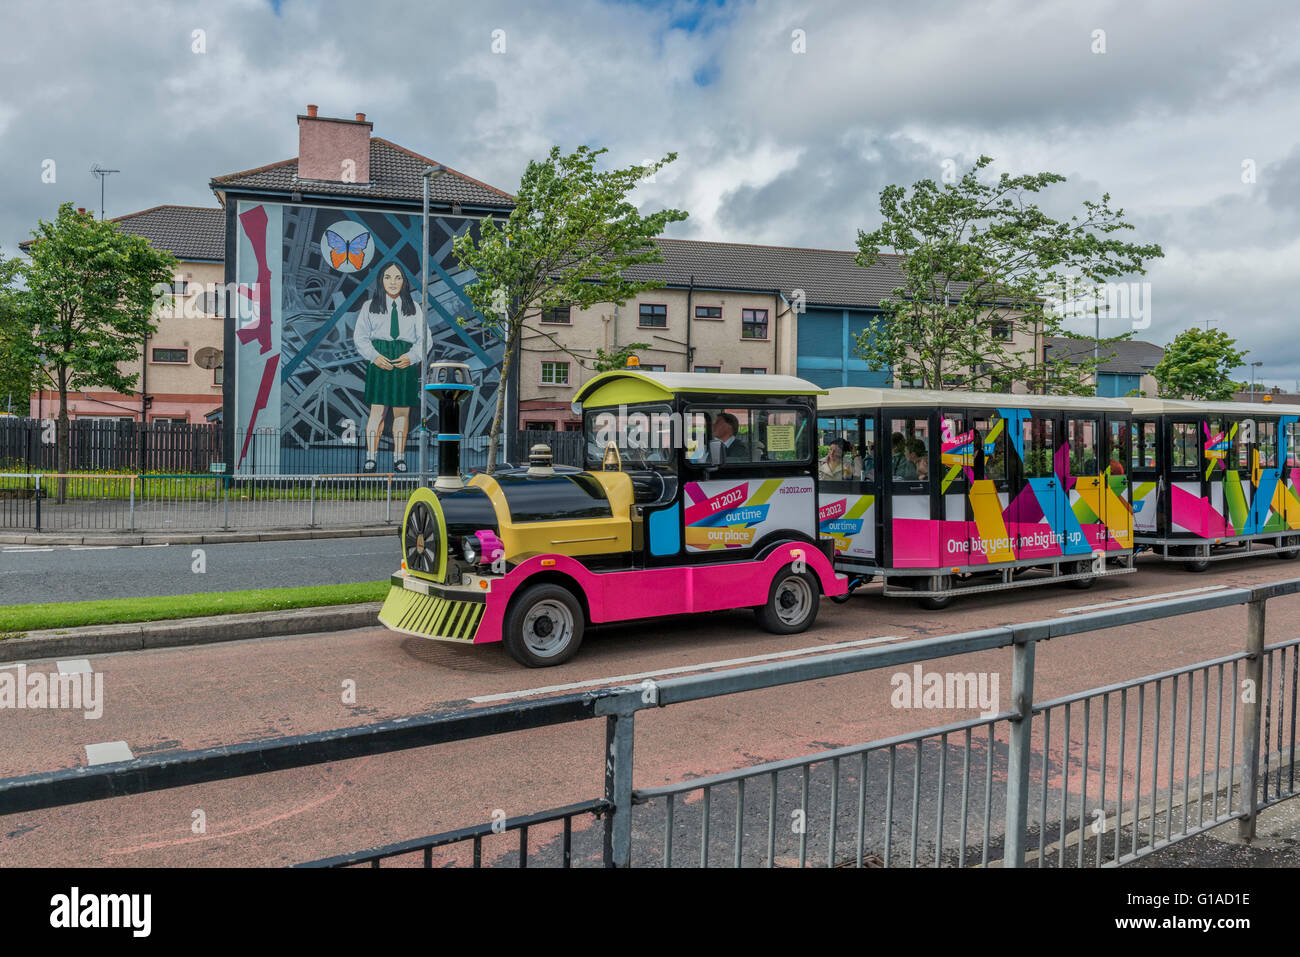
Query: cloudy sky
[{"x": 774, "y": 145}]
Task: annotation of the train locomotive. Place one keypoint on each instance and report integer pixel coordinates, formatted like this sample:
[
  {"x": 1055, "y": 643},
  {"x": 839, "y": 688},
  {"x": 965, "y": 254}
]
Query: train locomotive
[{"x": 699, "y": 494}]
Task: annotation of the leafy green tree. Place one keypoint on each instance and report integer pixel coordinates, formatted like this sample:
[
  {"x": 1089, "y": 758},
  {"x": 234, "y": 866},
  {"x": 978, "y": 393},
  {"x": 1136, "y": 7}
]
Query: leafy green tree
[
  {"x": 17, "y": 370},
  {"x": 609, "y": 361},
  {"x": 89, "y": 300},
  {"x": 1196, "y": 366},
  {"x": 980, "y": 262},
  {"x": 569, "y": 238}
]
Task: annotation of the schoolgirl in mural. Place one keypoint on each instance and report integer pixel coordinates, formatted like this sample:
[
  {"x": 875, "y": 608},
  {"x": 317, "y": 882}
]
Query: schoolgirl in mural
[{"x": 387, "y": 335}]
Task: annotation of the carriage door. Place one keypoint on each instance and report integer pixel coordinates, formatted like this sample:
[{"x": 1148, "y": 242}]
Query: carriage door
[
  {"x": 1116, "y": 461},
  {"x": 1266, "y": 506},
  {"x": 846, "y": 504},
  {"x": 1186, "y": 473},
  {"x": 1237, "y": 488},
  {"x": 1038, "y": 511},
  {"x": 1086, "y": 492},
  {"x": 913, "y": 535},
  {"x": 1218, "y": 438},
  {"x": 990, "y": 490},
  {"x": 1289, "y": 435},
  {"x": 1144, "y": 472},
  {"x": 956, "y": 459}
]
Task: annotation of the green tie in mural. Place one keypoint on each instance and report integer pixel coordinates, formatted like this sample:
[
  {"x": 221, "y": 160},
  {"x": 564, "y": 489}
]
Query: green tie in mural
[{"x": 394, "y": 328}]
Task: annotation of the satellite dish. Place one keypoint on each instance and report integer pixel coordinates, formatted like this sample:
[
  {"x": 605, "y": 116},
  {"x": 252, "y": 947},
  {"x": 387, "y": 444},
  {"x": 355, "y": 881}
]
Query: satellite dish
[{"x": 208, "y": 358}]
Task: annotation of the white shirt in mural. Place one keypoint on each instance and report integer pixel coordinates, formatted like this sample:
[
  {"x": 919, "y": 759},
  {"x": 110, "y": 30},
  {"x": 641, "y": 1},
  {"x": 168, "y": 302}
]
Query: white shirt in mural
[{"x": 378, "y": 325}]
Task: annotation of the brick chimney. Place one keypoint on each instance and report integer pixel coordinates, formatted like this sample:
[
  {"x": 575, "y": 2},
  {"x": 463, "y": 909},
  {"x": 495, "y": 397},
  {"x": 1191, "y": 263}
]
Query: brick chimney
[{"x": 334, "y": 150}]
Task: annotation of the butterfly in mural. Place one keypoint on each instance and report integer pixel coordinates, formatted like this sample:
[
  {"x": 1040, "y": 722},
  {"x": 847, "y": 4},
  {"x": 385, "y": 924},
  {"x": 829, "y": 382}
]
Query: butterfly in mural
[{"x": 351, "y": 251}]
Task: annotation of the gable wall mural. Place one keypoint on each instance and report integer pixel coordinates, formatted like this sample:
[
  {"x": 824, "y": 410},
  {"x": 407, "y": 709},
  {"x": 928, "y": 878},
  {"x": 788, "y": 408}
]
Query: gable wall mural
[{"x": 326, "y": 346}]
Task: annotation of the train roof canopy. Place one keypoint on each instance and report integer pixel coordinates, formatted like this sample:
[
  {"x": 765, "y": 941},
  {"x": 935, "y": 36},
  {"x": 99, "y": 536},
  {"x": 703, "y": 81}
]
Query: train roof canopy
[
  {"x": 625, "y": 386},
  {"x": 1185, "y": 407},
  {"x": 855, "y": 397}
]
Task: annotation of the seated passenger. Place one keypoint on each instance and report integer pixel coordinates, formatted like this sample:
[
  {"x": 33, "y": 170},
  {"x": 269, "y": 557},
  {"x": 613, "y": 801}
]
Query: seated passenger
[
  {"x": 903, "y": 468},
  {"x": 840, "y": 465},
  {"x": 918, "y": 456}
]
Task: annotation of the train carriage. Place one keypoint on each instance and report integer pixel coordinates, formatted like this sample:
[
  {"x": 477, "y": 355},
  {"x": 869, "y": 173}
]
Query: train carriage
[
  {"x": 944, "y": 493},
  {"x": 1215, "y": 480},
  {"x": 699, "y": 494}
]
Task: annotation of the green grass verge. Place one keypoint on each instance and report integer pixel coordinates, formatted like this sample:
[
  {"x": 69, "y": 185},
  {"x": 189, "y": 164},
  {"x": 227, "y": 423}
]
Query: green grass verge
[{"x": 18, "y": 619}]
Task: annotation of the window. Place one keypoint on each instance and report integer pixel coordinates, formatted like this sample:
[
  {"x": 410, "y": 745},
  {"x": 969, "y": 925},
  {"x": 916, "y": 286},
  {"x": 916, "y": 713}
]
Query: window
[
  {"x": 654, "y": 315},
  {"x": 909, "y": 449},
  {"x": 170, "y": 420},
  {"x": 540, "y": 426},
  {"x": 181, "y": 287},
  {"x": 1143, "y": 452},
  {"x": 646, "y": 436},
  {"x": 753, "y": 370},
  {"x": 1039, "y": 444},
  {"x": 171, "y": 355},
  {"x": 1003, "y": 330},
  {"x": 743, "y": 436},
  {"x": 1267, "y": 444},
  {"x": 648, "y": 367},
  {"x": 782, "y": 435},
  {"x": 708, "y": 368},
  {"x": 1185, "y": 446},
  {"x": 708, "y": 312},
  {"x": 856, "y": 463},
  {"x": 1082, "y": 437},
  {"x": 557, "y": 314},
  {"x": 1218, "y": 445},
  {"x": 1117, "y": 452},
  {"x": 753, "y": 324},
  {"x": 218, "y": 375},
  {"x": 555, "y": 373},
  {"x": 991, "y": 452}
]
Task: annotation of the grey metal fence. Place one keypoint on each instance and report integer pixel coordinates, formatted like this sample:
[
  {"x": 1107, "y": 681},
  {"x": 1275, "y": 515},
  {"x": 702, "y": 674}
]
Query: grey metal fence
[{"x": 1155, "y": 759}]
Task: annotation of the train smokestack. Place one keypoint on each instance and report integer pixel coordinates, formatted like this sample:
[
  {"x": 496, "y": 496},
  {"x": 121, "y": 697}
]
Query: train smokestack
[{"x": 450, "y": 382}]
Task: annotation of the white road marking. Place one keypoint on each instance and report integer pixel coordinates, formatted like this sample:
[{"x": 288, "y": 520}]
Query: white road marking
[
  {"x": 91, "y": 548},
  {"x": 108, "y": 752},
  {"x": 158, "y": 545},
  {"x": 77, "y": 666},
  {"x": 22, "y": 550},
  {"x": 623, "y": 679},
  {"x": 1142, "y": 598}
]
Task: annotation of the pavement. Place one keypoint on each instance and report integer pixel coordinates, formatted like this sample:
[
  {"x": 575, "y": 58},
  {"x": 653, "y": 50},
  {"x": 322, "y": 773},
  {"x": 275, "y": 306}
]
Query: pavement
[{"x": 164, "y": 700}]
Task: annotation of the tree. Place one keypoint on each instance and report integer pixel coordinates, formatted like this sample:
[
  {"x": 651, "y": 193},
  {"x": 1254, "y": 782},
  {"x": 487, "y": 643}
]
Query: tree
[
  {"x": 979, "y": 261},
  {"x": 1196, "y": 366},
  {"x": 88, "y": 303},
  {"x": 569, "y": 238},
  {"x": 608, "y": 361},
  {"x": 17, "y": 371}
]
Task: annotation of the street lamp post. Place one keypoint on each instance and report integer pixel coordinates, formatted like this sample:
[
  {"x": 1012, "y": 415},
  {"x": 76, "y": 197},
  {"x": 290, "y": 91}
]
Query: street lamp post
[
  {"x": 428, "y": 174},
  {"x": 1253, "y": 366}
]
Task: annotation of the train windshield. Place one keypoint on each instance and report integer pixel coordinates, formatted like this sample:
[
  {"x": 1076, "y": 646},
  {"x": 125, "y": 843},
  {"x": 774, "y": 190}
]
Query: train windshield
[{"x": 646, "y": 436}]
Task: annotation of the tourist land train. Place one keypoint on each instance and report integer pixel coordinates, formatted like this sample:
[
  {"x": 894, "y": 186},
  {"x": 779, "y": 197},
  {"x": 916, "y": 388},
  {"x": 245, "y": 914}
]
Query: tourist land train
[{"x": 707, "y": 492}]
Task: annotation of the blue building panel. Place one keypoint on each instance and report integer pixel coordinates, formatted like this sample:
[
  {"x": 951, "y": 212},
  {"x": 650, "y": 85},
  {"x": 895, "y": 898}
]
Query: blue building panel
[
  {"x": 825, "y": 348},
  {"x": 1114, "y": 384}
]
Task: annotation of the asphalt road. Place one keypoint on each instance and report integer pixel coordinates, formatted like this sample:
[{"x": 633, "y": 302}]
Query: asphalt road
[
  {"x": 48, "y": 573},
  {"x": 209, "y": 695}
]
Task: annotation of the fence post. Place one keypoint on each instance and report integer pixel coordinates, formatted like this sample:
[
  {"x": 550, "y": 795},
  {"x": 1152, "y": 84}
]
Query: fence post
[
  {"x": 619, "y": 734},
  {"x": 1250, "y": 719},
  {"x": 225, "y": 514},
  {"x": 133, "y": 478},
  {"x": 38, "y": 501},
  {"x": 388, "y": 506},
  {"x": 311, "y": 520},
  {"x": 1019, "y": 752}
]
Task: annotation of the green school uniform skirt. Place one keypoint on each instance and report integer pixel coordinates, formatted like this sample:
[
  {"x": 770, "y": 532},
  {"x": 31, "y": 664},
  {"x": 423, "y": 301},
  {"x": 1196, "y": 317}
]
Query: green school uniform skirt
[{"x": 398, "y": 388}]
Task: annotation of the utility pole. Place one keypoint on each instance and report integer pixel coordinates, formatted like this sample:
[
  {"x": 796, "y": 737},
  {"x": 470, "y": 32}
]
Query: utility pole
[
  {"x": 428, "y": 174},
  {"x": 103, "y": 174}
]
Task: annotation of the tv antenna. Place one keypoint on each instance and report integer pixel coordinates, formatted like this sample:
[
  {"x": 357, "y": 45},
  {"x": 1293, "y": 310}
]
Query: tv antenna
[{"x": 103, "y": 174}]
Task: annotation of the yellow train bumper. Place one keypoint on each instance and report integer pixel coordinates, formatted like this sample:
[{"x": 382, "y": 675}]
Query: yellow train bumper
[{"x": 428, "y": 615}]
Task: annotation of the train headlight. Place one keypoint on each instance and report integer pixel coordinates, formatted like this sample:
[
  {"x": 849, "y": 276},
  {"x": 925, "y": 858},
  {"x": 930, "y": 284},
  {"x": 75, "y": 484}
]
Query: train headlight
[{"x": 472, "y": 549}]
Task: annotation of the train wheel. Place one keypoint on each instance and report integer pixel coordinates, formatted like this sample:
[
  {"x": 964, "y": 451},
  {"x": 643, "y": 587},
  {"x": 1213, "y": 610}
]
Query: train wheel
[
  {"x": 937, "y": 602},
  {"x": 1290, "y": 553},
  {"x": 1078, "y": 568},
  {"x": 791, "y": 602},
  {"x": 1197, "y": 566},
  {"x": 544, "y": 626}
]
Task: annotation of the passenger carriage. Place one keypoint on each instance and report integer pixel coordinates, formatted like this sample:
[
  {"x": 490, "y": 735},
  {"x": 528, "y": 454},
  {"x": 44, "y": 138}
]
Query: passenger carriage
[
  {"x": 947, "y": 493},
  {"x": 699, "y": 494},
  {"x": 1215, "y": 480}
]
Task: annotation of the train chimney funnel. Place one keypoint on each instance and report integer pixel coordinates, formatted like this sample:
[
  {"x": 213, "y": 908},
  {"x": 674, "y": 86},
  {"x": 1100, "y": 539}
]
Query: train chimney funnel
[{"x": 450, "y": 382}]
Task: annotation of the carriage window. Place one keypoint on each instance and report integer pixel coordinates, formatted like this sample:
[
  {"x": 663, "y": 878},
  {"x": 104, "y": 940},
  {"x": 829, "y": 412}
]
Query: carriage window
[
  {"x": 1039, "y": 446},
  {"x": 781, "y": 435},
  {"x": 909, "y": 449},
  {"x": 646, "y": 436},
  {"x": 991, "y": 458},
  {"x": 1245, "y": 438},
  {"x": 1117, "y": 452},
  {"x": 1267, "y": 444},
  {"x": 1082, "y": 436},
  {"x": 1218, "y": 443},
  {"x": 957, "y": 451},
  {"x": 1184, "y": 446},
  {"x": 1293, "y": 445},
  {"x": 844, "y": 454},
  {"x": 1149, "y": 446}
]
